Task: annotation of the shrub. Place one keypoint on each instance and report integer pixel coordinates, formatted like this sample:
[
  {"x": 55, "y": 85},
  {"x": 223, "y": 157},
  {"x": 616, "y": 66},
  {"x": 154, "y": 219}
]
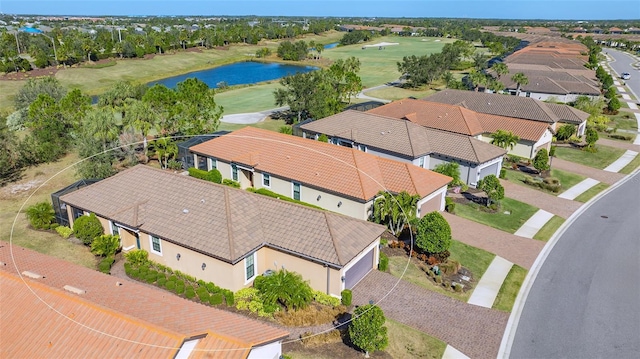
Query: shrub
[
  {"x": 134, "y": 273},
  {"x": 161, "y": 281},
  {"x": 503, "y": 174},
  {"x": 229, "y": 297},
  {"x": 450, "y": 205},
  {"x": 87, "y": 228},
  {"x": 451, "y": 169},
  {"x": 287, "y": 288},
  {"x": 41, "y": 215},
  {"x": 170, "y": 285},
  {"x": 433, "y": 233},
  {"x": 552, "y": 151},
  {"x": 214, "y": 176},
  {"x": 565, "y": 132},
  {"x": 105, "y": 245},
  {"x": 383, "y": 266},
  {"x": 64, "y": 231},
  {"x": 138, "y": 257},
  {"x": 216, "y": 299},
  {"x": 346, "y": 296},
  {"x": 151, "y": 277},
  {"x": 367, "y": 330},
  {"x": 541, "y": 160},
  {"x": 212, "y": 288},
  {"x": 231, "y": 183},
  {"x": 179, "y": 287},
  {"x": 105, "y": 264},
  {"x": 323, "y": 138},
  {"x": 189, "y": 293},
  {"x": 174, "y": 164},
  {"x": 197, "y": 173},
  {"x": 204, "y": 297},
  {"x": 450, "y": 267},
  {"x": 325, "y": 299},
  {"x": 439, "y": 279},
  {"x": 458, "y": 287}
]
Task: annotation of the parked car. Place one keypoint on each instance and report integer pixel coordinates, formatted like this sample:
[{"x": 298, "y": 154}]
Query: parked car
[{"x": 625, "y": 76}]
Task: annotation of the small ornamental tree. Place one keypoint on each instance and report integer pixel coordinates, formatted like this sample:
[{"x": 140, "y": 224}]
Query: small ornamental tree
[
  {"x": 433, "y": 233},
  {"x": 541, "y": 161},
  {"x": 87, "y": 228},
  {"x": 41, "y": 215},
  {"x": 105, "y": 245},
  {"x": 367, "y": 330},
  {"x": 492, "y": 187},
  {"x": 614, "y": 105},
  {"x": 591, "y": 136}
]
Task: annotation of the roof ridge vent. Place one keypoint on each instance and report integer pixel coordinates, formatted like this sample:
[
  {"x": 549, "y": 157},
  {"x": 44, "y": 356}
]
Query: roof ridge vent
[
  {"x": 75, "y": 290},
  {"x": 32, "y": 275}
]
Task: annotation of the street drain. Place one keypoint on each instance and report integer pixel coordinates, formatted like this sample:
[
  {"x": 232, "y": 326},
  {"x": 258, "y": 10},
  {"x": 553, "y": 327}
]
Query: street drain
[{"x": 605, "y": 217}]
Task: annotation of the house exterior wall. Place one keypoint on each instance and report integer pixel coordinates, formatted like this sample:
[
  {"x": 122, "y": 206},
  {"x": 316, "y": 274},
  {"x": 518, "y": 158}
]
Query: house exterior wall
[
  {"x": 527, "y": 149},
  {"x": 433, "y": 202},
  {"x": 315, "y": 273},
  {"x": 267, "y": 351},
  {"x": 375, "y": 246},
  {"x": 564, "y": 98}
]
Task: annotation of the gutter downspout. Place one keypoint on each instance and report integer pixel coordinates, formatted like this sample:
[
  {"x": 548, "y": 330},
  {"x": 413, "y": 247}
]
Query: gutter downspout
[{"x": 328, "y": 278}]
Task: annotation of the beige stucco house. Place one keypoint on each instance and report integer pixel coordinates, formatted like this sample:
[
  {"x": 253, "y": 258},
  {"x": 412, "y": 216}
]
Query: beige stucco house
[
  {"x": 225, "y": 235},
  {"x": 336, "y": 178}
]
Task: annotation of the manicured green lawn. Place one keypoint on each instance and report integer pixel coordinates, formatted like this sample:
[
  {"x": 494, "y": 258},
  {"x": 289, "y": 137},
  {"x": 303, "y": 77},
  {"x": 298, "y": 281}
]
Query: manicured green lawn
[
  {"x": 248, "y": 99},
  {"x": 591, "y": 192},
  {"x": 623, "y": 120},
  {"x": 475, "y": 259},
  {"x": 567, "y": 179},
  {"x": 605, "y": 156},
  {"x": 380, "y": 66},
  {"x": 519, "y": 213},
  {"x": 271, "y": 125},
  {"x": 546, "y": 232},
  {"x": 635, "y": 163},
  {"x": 510, "y": 288}
]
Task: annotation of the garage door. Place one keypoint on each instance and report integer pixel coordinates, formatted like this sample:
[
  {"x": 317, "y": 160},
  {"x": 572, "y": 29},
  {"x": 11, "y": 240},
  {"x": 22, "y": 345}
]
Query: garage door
[
  {"x": 359, "y": 270},
  {"x": 489, "y": 170},
  {"x": 432, "y": 205}
]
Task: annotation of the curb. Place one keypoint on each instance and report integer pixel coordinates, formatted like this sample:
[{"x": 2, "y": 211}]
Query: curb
[{"x": 512, "y": 325}]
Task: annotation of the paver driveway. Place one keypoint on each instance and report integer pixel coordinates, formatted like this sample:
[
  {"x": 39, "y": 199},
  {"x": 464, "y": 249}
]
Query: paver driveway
[{"x": 473, "y": 330}]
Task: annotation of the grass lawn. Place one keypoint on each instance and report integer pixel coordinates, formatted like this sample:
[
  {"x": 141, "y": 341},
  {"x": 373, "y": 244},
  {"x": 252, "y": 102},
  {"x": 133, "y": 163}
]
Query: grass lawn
[
  {"x": 549, "y": 228},
  {"x": 380, "y": 66},
  {"x": 510, "y": 288},
  {"x": 271, "y": 125},
  {"x": 623, "y": 120},
  {"x": 397, "y": 93},
  {"x": 42, "y": 241},
  {"x": 248, "y": 99},
  {"x": 591, "y": 192},
  {"x": 605, "y": 156},
  {"x": 474, "y": 259},
  {"x": 519, "y": 213},
  {"x": 567, "y": 179},
  {"x": 8, "y": 94},
  {"x": 635, "y": 163}
]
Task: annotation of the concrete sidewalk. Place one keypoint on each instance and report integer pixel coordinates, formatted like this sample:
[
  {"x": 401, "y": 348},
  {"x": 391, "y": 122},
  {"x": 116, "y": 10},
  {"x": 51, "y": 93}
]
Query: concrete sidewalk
[
  {"x": 533, "y": 224},
  {"x": 621, "y": 162},
  {"x": 578, "y": 189},
  {"x": 453, "y": 353},
  {"x": 489, "y": 285},
  {"x": 637, "y": 141}
]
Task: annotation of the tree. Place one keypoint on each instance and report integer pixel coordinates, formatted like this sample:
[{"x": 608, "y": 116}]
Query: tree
[
  {"x": 492, "y": 187},
  {"x": 165, "y": 149},
  {"x": 141, "y": 117},
  {"x": 394, "y": 211},
  {"x": 565, "y": 132},
  {"x": 541, "y": 160},
  {"x": 196, "y": 108},
  {"x": 504, "y": 139},
  {"x": 87, "y": 228},
  {"x": 451, "y": 169},
  {"x": 51, "y": 135},
  {"x": 286, "y": 288},
  {"x": 367, "y": 330},
  {"x": 520, "y": 79},
  {"x": 101, "y": 124},
  {"x": 105, "y": 245},
  {"x": 73, "y": 106},
  {"x": 41, "y": 215},
  {"x": 591, "y": 136},
  {"x": 34, "y": 87},
  {"x": 588, "y": 105},
  {"x": 500, "y": 69},
  {"x": 433, "y": 233},
  {"x": 614, "y": 105}
]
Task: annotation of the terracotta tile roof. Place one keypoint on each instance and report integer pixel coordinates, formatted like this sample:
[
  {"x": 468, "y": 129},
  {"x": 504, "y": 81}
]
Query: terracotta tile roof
[
  {"x": 403, "y": 137},
  {"x": 317, "y": 164},
  {"x": 553, "y": 82},
  {"x": 487, "y": 123},
  {"x": 509, "y": 106},
  {"x": 446, "y": 117},
  {"x": 560, "y": 62},
  {"x": 185, "y": 210},
  {"x": 131, "y": 311}
]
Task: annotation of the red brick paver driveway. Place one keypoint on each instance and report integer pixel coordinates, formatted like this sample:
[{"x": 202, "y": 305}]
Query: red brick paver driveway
[
  {"x": 552, "y": 204},
  {"x": 474, "y": 330},
  {"x": 519, "y": 250}
]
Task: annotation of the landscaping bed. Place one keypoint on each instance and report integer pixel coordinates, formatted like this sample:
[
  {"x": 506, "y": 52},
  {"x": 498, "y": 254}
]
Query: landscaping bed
[{"x": 553, "y": 182}]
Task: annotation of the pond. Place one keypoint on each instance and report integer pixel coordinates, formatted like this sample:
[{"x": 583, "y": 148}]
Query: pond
[
  {"x": 331, "y": 45},
  {"x": 240, "y": 73}
]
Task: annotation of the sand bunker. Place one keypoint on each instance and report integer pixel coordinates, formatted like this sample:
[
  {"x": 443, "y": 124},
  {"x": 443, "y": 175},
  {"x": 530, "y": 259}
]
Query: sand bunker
[{"x": 381, "y": 44}]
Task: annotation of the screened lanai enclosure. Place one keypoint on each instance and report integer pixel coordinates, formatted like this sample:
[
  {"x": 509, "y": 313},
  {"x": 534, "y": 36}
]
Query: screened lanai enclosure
[
  {"x": 186, "y": 157},
  {"x": 61, "y": 208}
]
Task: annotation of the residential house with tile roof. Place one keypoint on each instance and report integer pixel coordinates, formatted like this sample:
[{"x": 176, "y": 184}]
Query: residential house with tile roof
[
  {"x": 559, "y": 86},
  {"x": 555, "y": 115},
  {"x": 533, "y": 135},
  {"x": 56, "y": 309},
  {"x": 406, "y": 141},
  {"x": 225, "y": 235},
  {"x": 336, "y": 178}
]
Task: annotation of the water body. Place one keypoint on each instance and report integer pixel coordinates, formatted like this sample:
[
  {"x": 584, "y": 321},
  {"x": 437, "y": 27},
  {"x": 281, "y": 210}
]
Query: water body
[
  {"x": 331, "y": 45},
  {"x": 240, "y": 73}
]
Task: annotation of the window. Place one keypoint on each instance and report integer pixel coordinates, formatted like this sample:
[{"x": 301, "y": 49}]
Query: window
[
  {"x": 362, "y": 148},
  {"x": 115, "y": 229},
  {"x": 234, "y": 172},
  {"x": 421, "y": 162},
  {"x": 249, "y": 266},
  {"x": 296, "y": 191},
  {"x": 528, "y": 94},
  {"x": 266, "y": 180},
  {"x": 202, "y": 163},
  {"x": 213, "y": 164},
  {"x": 156, "y": 246}
]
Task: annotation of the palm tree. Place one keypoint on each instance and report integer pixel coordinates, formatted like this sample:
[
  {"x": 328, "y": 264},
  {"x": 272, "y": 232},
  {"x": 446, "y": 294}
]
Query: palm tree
[
  {"x": 140, "y": 117},
  {"x": 504, "y": 139},
  {"x": 102, "y": 125},
  {"x": 164, "y": 149},
  {"x": 395, "y": 211},
  {"x": 520, "y": 79},
  {"x": 447, "y": 77},
  {"x": 500, "y": 68},
  {"x": 477, "y": 78}
]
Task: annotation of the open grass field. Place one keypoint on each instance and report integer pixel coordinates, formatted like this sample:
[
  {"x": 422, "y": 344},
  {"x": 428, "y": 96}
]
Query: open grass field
[
  {"x": 380, "y": 66},
  {"x": 546, "y": 232},
  {"x": 510, "y": 288},
  {"x": 271, "y": 125},
  {"x": 519, "y": 213},
  {"x": 14, "y": 195},
  {"x": 605, "y": 156},
  {"x": 248, "y": 99}
]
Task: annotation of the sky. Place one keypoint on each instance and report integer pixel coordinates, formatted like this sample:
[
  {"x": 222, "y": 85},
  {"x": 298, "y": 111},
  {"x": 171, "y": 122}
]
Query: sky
[{"x": 493, "y": 9}]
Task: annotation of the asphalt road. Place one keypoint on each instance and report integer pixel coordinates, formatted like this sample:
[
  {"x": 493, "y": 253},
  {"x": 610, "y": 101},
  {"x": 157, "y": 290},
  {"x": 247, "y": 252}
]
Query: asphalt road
[
  {"x": 623, "y": 63},
  {"x": 585, "y": 301}
]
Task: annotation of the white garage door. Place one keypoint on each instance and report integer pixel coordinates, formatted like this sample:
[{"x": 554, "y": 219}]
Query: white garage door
[
  {"x": 359, "y": 270},
  {"x": 489, "y": 170}
]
